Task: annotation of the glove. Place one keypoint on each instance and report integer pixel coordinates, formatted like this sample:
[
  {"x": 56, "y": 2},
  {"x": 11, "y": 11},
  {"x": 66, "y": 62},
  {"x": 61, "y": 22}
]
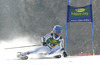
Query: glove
[
  {"x": 44, "y": 43},
  {"x": 65, "y": 54}
]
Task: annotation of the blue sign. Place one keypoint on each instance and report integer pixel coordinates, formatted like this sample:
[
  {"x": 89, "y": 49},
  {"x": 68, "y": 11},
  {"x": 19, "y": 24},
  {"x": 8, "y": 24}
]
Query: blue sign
[{"x": 79, "y": 14}]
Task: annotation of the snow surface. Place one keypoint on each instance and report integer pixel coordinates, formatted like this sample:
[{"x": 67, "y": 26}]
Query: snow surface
[{"x": 8, "y": 57}]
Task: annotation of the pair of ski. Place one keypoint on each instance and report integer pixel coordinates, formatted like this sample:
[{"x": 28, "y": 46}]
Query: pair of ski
[
  {"x": 26, "y": 57},
  {"x": 19, "y": 55}
]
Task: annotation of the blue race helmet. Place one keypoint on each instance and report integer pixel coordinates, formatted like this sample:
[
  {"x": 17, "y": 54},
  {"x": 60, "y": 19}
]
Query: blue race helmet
[{"x": 57, "y": 29}]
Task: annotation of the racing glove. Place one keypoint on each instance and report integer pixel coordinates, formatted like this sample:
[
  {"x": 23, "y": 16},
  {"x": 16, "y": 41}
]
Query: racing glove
[
  {"x": 44, "y": 43},
  {"x": 65, "y": 54}
]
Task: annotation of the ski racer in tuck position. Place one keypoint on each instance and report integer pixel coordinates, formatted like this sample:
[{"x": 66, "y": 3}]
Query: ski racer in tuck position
[{"x": 51, "y": 44}]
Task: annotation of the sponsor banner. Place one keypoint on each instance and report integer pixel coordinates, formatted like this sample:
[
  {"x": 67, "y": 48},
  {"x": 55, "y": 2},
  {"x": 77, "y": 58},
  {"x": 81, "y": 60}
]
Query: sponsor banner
[{"x": 79, "y": 14}]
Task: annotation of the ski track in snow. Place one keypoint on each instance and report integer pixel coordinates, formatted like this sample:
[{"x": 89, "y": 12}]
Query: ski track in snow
[{"x": 8, "y": 57}]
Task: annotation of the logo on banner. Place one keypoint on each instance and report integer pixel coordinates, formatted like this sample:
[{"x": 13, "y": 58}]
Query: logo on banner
[{"x": 79, "y": 12}]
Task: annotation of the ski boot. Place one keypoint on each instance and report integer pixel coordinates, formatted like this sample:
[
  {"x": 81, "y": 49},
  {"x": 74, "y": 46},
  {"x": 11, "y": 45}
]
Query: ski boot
[
  {"x": 19, "y": 55},
  {"x": 57, "y": 56}
]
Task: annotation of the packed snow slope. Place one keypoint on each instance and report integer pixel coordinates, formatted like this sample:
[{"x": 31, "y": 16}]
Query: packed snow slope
[{"x": 8, "y": 57}]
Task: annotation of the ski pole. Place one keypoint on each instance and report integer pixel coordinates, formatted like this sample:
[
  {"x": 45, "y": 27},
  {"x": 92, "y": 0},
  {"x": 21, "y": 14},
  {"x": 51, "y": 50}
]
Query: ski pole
[{"x": 22, "y": 47}]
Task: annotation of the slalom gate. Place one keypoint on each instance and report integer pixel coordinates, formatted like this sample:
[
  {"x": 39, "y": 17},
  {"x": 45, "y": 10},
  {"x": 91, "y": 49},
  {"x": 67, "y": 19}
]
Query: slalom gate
[{"x": 79, "y": 14}]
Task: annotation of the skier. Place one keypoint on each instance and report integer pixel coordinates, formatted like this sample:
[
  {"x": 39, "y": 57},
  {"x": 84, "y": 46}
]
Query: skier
[{"x": 51, "y": 43}]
